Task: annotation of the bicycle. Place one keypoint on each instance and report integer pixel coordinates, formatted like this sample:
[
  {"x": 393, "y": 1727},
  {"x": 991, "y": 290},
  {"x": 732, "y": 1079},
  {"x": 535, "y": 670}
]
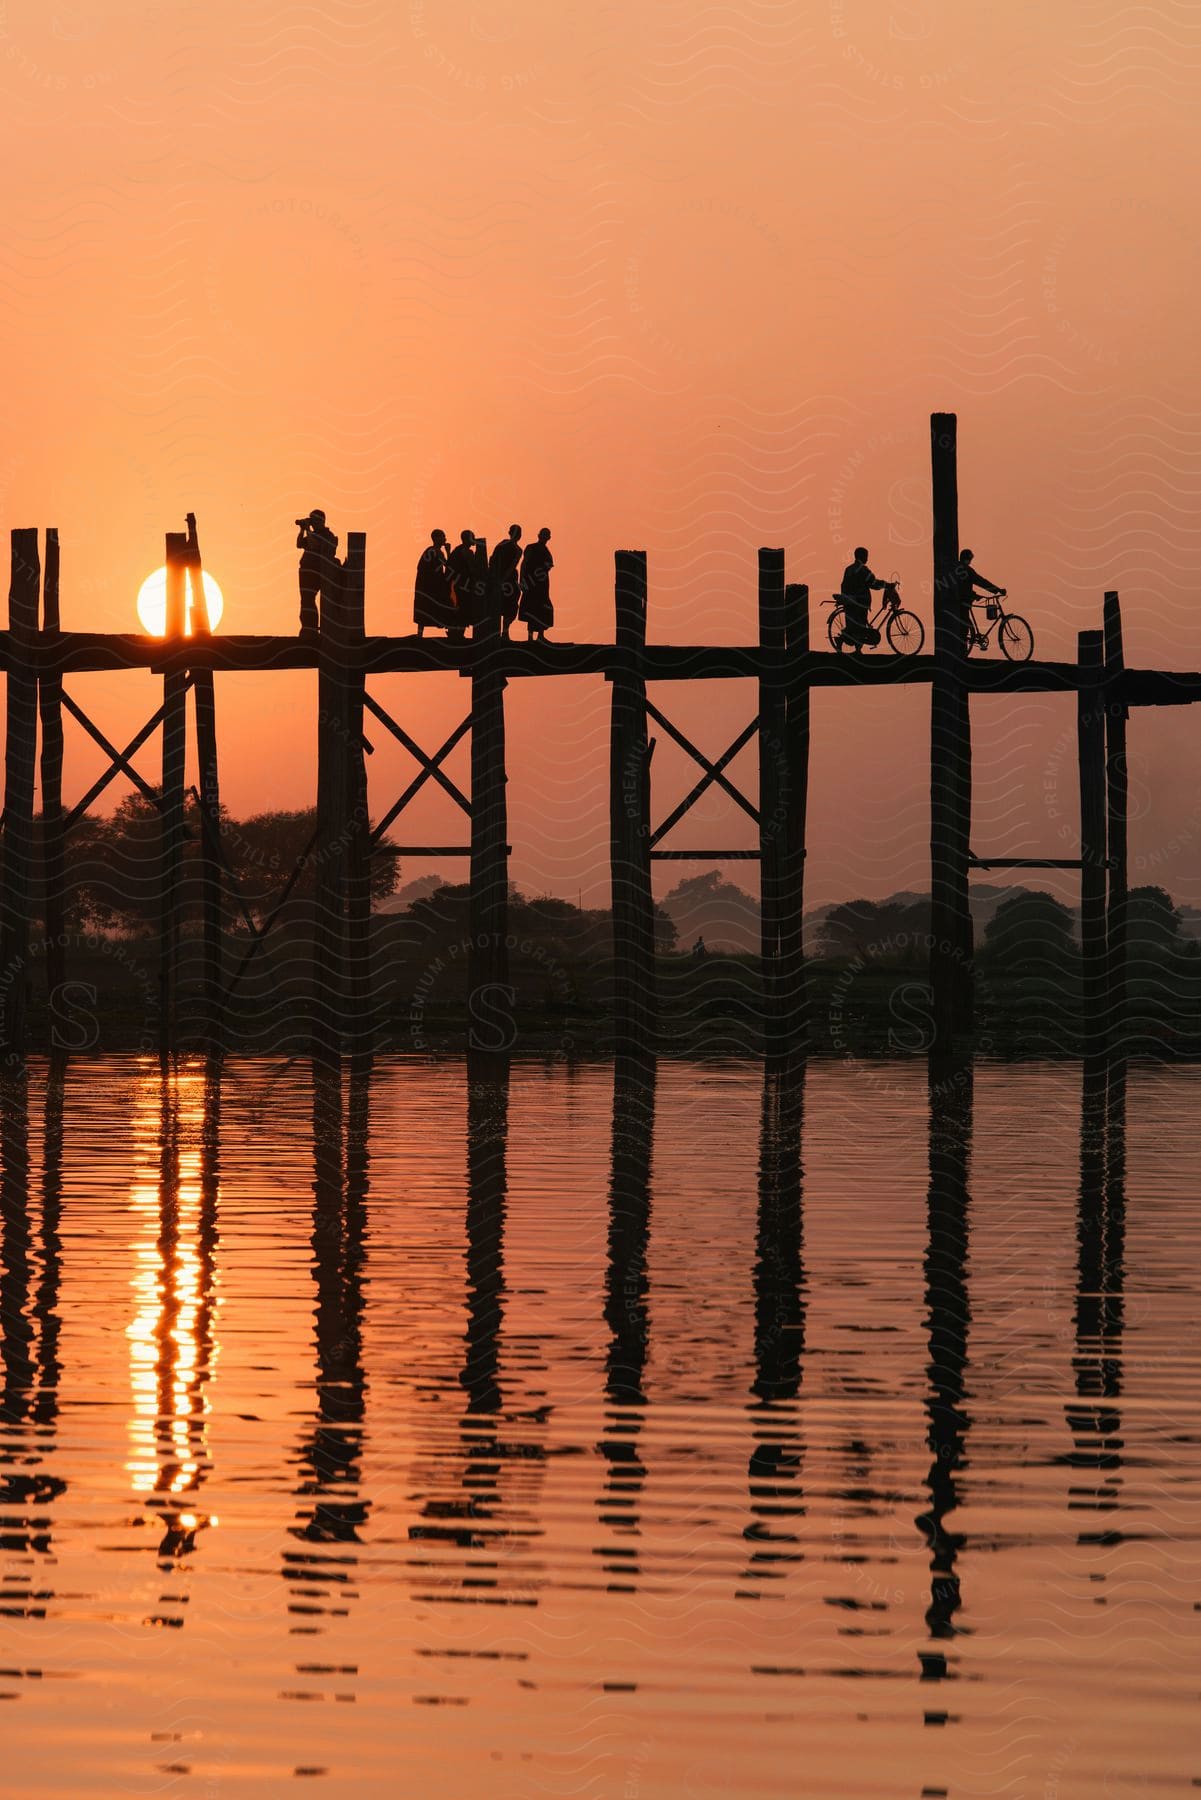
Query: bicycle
[
  {"x": 1013, "y": 634},
  {"x": 904, "y": 630}
]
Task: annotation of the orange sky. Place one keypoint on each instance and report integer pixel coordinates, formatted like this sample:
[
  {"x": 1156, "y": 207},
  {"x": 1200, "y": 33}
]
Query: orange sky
[{"x": 655, "y": 275}]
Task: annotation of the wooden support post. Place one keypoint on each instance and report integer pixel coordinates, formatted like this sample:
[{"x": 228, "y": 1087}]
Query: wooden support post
[
  {"x": 209, "y": 786},
  {"x": 793, "y": 999},
  {"x": 20, "y": 753},
  {"x": 488, "y": 957},
  {"x": 1117, "y": 809},
  {"x": 1090, "y": 739},
  {"x": 359, "y": 988},
  {"x": 950, "y": 761},
  {"x": 211, "y": 896},
  {"x": 333, "y": 794},
  {"x": 54, "y": 837},
  {"x": 965, "y": 947},
  {"x": 629, "y": 818},
  {"x": 773, "y": 789},
  {"x": 171, "y": 811}
]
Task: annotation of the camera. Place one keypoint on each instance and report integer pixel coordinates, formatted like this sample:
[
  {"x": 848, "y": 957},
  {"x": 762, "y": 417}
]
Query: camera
[{"x": 307, "y": 521}]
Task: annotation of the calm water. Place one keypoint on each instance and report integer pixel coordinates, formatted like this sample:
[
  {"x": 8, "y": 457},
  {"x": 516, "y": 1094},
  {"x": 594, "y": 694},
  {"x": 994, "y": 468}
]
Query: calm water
[{"x": 477, "y": 1439}]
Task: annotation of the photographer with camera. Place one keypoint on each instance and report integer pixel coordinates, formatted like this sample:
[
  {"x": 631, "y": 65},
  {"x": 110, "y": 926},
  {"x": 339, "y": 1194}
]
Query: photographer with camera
[{"x": 318, "y": 547}]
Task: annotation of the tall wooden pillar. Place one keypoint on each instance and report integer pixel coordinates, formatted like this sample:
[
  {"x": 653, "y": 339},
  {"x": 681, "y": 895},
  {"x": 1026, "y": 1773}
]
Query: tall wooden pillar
[
  {"x": 1090, "y": 739},
  {"x": 1117, "y": 811},
  {"x": 773, "y": 784},
  {"x": 774, "y": 787},
  {"x": 784, "y": 792},
  {"x": 210, "y": 808},
  {"x": 50, "y": 706},
  {"x": 950, "y": 760},
  {"x": 488, "y": 957},
  {"x": 359, "y": 991},
  {"x": 793, "y": 999},
  {"x": 333, "y": 792},
  {"x": 20, "y": 752},
  {"x": 629, "y": 816},
  {"x": 171, "y": 800}
]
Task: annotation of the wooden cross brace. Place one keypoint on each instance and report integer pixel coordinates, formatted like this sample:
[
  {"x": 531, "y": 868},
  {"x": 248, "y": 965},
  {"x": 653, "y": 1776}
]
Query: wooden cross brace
[
  {"x": 713, "y": 771},
  {"x": 119, "y": 760},
  {"x": 431, "y": 768}
]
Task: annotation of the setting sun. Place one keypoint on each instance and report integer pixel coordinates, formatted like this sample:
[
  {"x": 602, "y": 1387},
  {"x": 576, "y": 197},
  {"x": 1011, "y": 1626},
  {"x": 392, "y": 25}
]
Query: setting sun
[{"x": 152, "y": 603}]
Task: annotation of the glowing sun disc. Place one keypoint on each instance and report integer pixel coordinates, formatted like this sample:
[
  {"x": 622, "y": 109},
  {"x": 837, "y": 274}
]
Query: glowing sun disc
[{"x": 152, "y": 603}]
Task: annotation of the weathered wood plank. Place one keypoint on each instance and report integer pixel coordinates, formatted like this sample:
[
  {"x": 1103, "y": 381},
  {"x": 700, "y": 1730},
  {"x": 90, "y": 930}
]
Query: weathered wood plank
[
  {"x": 171, "y": 802},
  {"x": 488, "y": 957},
  {"x": 629, "y": 818},
  {"x": 1117, "y": 815},
  {"x": 1090, "y": 739},
  {"x": 20, "y": 753},
  {"x": 50, "y": 707}
]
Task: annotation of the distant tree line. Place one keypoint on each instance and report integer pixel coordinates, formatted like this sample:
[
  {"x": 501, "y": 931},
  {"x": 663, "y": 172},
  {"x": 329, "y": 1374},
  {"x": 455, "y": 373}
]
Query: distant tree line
[
  {"x": 865, "y": 957},
  {"x": 1030, "y": 933},
  {"x": 113, "y": 878}
]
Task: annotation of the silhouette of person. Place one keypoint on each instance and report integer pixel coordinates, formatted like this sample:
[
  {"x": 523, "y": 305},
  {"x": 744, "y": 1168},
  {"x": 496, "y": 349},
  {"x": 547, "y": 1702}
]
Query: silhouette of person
[
  {"x": 503, "y": 580},
  {"x": 967, "y": 580},
  {"x": 857, "y": 584},
  {"x": 699, "y": 952},
  {"x": 535, "y": 606},
  {"x": 432, "y": 601},
  {"x": 467, "y": 582},
  {"x": 318, "y": 547}
]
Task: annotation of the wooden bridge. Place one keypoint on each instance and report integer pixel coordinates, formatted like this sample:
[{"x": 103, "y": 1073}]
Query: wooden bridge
[{"x": 37, "y": 655}]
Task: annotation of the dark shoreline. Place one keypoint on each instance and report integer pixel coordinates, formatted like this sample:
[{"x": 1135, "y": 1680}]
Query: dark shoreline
[{"x": 708, "y": 1008}]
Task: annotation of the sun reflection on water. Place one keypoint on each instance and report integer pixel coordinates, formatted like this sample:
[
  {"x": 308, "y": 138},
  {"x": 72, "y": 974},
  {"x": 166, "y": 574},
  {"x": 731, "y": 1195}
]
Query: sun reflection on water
[{"x": 172, "y": 1342}]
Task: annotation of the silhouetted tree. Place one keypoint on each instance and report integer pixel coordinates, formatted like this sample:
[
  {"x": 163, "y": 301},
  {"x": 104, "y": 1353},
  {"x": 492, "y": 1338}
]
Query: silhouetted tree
[
  {"x": 1030, "y": 933},
  {"x": 442, "y": 920},
  {"x": 708, "y": 906},
  {"x": 1152, "y": 924},
  {"x": 113, "y": 865},
  {"x": 891, "y": 932}
]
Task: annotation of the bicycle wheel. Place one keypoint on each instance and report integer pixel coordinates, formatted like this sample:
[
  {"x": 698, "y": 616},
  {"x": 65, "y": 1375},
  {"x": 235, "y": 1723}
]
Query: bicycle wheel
[
  {"x": 905, "y": 632},
  {"x": 1017, "y": 639},
  {"x": 836, "y": 624}
]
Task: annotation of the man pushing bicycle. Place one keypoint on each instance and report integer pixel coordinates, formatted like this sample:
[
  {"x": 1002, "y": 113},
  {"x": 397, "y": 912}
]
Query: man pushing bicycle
[
  {"x": 967, "y": 581},
  {"x": 850, "y": 624},
  {"x": 857, "y": 585}
]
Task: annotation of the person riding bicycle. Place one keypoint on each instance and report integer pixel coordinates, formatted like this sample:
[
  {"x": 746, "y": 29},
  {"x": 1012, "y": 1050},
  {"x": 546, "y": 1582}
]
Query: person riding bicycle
[
  {"x": 967, "y": 580},
  {"x": 857, "y": 584}
]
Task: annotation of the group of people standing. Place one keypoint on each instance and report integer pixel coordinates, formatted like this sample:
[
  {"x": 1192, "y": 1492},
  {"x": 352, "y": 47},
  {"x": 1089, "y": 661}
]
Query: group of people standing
[
  {"x": 454, "y": 589},
  {"x": 465, "y": 586}
]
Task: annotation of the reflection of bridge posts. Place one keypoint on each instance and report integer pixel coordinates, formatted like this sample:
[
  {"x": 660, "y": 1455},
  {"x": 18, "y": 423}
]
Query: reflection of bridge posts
[
  {"x": 487, "y": 1134},
  {"x": 626, "y": 1315},
  {"x": 333, "y": 1510},
  {"x": 464, "y": 1521},
  {"x": 947, "y": 1318},
  {"x": 46, "y": 1299},
  {"x": 16, "y": 1278},
  {"x": 779, "y": 1329},
  {"x": 487, "y": 1191},
  {"x": 29, "y": 1328},
  {"x": 184, "y": 1333},
  {"x": 1095, "y": 1419}
]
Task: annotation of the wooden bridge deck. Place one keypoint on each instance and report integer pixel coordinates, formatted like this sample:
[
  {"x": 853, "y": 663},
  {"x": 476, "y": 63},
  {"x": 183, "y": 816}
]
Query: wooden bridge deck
[{"x": 93, "y": 652}]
